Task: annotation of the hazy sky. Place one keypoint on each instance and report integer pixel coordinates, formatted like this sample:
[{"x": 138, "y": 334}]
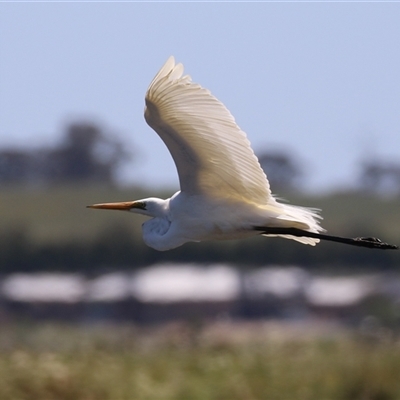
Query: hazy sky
[{"x": 320, "y": 80}]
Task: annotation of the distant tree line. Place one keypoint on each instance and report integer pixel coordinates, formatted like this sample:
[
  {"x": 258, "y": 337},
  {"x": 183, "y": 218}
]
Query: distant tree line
[
  {"x": 376, "y": 176},
  {"x": 88, "y": 153},
  {"x": 85, "y": 154}
]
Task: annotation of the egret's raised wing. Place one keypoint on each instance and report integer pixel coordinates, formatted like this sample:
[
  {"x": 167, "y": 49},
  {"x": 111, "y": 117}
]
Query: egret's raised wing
[{"x": 211, "y": 153}]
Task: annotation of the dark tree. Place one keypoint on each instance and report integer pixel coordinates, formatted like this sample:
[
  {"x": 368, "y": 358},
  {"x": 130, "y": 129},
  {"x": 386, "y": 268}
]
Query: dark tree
[
  {"x": 86, "y": 154},
  {"x": 16, "y": 166},
  {"x": 282, "y": 171},
  {"x": 380, "y": 177}
]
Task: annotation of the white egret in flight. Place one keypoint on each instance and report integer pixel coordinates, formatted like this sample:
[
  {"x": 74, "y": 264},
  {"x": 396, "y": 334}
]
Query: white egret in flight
[{"x": 224, "y": 192}]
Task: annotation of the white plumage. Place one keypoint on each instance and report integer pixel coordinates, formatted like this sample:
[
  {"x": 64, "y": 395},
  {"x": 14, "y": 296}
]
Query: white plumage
[
  {"x": 212, "y": 154},
  {"x": 224, "y": 192}
]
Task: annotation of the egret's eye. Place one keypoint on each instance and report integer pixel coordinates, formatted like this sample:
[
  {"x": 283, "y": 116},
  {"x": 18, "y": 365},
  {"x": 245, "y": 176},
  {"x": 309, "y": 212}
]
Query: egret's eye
[{"x": 140, "y": 204}]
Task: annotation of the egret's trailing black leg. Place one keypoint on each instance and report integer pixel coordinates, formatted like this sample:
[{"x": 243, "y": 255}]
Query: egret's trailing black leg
[{"x": 370, "y": 242}]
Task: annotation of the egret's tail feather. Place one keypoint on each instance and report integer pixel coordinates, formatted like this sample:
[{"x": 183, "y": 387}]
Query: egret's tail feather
[
  {"x": 295, "y": 217},
  {"x": 303, "y": 240}
]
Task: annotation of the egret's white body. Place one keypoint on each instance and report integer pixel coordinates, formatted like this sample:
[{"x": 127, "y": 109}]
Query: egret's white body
[
  {"x": 224, "y": 192},
  {"x": 196, "y": 217}
]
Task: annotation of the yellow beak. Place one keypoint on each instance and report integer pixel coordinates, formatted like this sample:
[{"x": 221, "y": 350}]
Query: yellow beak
[{"x": 124, "y": 205}]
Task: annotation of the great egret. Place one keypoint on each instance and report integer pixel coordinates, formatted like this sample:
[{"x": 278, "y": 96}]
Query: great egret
[{"x": 224, "y": 192}]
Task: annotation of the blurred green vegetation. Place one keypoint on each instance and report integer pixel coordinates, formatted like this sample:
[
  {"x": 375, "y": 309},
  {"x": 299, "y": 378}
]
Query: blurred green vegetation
[
  {"x": 178, "y": 361},
  {"x": 51, "y": 229}
]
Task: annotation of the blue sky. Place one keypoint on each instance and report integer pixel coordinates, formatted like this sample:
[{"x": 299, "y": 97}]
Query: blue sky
[{"x": 320, "y": 80}]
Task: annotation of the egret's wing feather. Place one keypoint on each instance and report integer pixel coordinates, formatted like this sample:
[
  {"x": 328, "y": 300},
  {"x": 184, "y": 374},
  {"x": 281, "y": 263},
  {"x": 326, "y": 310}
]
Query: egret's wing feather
[{"x": 212, "y": 154}]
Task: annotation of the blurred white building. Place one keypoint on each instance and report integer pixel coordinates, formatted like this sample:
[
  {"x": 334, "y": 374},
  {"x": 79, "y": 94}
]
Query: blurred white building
[{"x": 190, "y": 291}]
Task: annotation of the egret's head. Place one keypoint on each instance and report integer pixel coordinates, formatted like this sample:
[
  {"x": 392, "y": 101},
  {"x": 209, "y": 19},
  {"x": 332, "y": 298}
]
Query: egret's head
[{"x": 151, "y": 207}]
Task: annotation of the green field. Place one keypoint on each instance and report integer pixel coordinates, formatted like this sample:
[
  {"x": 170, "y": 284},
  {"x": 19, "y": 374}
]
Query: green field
[{"x": 184, "y": 362}]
